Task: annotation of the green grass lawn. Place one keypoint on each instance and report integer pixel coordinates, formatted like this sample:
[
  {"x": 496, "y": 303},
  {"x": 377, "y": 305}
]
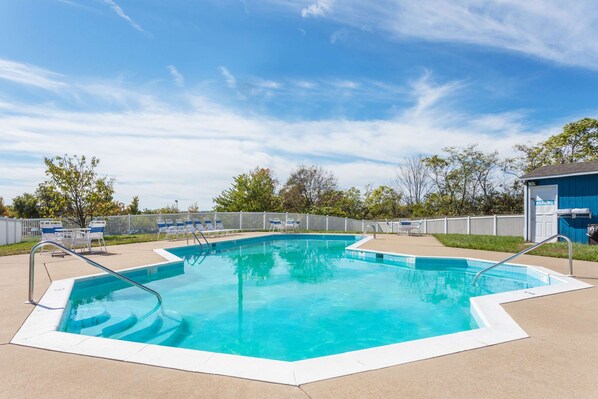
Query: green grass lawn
[
  {"x": 25, "y": 246},
  {"x": 516, "y": 244}
]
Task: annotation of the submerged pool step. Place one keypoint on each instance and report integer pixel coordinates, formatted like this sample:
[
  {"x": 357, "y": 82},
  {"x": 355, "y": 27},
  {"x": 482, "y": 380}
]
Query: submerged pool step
[
  {"x": 113, "y": 325},
  {"x": 86, "y": 317},
  {"x": 160, "y": 328}
]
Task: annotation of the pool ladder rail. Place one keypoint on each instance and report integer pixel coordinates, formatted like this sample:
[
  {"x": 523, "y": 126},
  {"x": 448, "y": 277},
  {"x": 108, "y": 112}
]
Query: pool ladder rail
[
  {"x": 198, "y": 241},
  {"x": 85, "y": 259},
  {"x": 526, "y": 250}
]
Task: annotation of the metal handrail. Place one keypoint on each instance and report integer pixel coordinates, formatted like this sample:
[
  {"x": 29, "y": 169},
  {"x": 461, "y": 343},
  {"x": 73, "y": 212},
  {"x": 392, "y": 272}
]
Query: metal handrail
[
  {"x": 89, "y": 261},
  {"x": 195, "y": 238},
  {"x": 530, "y": 249},
  {"x": 374, "y": 228}
]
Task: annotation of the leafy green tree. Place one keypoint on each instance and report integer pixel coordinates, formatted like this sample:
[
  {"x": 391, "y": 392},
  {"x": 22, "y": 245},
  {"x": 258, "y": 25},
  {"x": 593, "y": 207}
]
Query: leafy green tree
[
  {"x": 74, "y": 189},
  {"x": 133, "y": 207},
  {"x": 308, "y": 189},
  {"x": 250, "y": 192},
  {"x": 51, "y": 203},
  {"x": 26, "y": 206},
  {"x": 464, "y": 180},
  {"x": 3, "y": 208},
  {"x": 578, "y": 142},
  {"x": 383, "y": 202}
]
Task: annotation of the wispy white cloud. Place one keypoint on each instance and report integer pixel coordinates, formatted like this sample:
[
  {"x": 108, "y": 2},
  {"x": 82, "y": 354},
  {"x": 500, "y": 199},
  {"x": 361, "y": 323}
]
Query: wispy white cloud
[
  {"x": 178, "y": 77},
  {"x": 555, "y": 30},
  {"x": 30, "y": 75},
  {"x": 173, "y": 132},
  {"x": 317, "y": 9},
  {"x": 119, "y": 11},
  {"x": 231, "y": 81},
  {"x": 339, "y": 35}
]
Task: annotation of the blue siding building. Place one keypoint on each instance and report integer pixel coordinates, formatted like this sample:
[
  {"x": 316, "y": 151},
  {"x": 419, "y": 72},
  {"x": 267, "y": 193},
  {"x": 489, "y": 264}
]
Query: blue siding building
[{"x": 561, "y": 199}]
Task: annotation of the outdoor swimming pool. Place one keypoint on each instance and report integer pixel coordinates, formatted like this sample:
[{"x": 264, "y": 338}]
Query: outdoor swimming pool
[{"x": 289, "y": 298}]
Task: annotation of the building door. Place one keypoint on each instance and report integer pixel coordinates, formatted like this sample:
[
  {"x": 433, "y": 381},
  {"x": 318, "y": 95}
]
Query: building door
[{"x": 543, "y": 206}]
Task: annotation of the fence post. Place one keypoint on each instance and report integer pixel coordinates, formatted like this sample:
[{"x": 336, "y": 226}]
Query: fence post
[
  {"x": 495, "y": 225},
  {"x": 425, "y": 226},
  {"x": 326, "y": 222},
  {"x": 264, "y": 220},
  {"x": 129, "y": 223},
  {"x": 240, "y": 220},
  {"x": 468, "y": 225},
  {"x": 286, "y": 218},
  {"x": 362, "y": 225},
  {"x": 345, "y": 225},
  {"x": 445, "y": 225},
  {"x": 307, "y": 222}
]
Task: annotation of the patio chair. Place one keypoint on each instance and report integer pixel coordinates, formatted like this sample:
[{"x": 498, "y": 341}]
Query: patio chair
[
  {"x": 291, "y": 224},
  {"x": 409, "y": 227},
  {"x": 48, "y": 230},
  {"x": 276, "y": 224},
  {"x": 189, "y": 228},
  {"x": 96, "y": 232}
]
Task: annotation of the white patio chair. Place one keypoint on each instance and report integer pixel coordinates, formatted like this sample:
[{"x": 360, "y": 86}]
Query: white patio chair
[
  {"x": 96, "y": 232},
  {"x": 276, "y": 224},
  {"x": 170, "y": 229}
]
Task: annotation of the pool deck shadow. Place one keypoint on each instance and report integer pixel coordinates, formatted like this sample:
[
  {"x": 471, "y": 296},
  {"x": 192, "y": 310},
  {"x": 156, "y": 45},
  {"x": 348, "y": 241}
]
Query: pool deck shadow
[{"x": 559, "y": 360}]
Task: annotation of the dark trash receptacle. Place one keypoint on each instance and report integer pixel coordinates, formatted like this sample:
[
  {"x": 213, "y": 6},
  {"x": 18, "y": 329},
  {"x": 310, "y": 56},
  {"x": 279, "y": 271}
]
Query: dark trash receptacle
[{"x": 593, "y": 234}]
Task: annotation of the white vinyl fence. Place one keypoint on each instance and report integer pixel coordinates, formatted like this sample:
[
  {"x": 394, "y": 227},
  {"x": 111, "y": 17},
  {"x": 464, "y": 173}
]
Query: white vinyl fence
[
  {"x": 503, "y": 225},
  {"x": 494, "y": 225},
  {"x": 10, "y": 231}
]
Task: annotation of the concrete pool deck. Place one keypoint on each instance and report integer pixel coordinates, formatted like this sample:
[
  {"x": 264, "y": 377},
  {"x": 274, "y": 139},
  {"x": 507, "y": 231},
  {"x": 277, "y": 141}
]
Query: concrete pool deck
[{"x": 560, "y": 359}]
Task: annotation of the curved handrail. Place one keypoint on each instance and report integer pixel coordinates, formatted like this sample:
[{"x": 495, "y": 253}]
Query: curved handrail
[
  {"x": 374, "y": 228},
  {"x": 530, "y": 249},
  {"x": 89, "y": 261}
]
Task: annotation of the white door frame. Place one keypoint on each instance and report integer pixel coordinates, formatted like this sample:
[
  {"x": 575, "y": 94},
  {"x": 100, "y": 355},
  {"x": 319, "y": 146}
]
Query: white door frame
[{"x": 531, "y": 230}]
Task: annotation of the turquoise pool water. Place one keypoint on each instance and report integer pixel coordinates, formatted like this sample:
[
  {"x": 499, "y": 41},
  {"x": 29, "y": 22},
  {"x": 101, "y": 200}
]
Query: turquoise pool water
[{"x": 287, "y": 297}]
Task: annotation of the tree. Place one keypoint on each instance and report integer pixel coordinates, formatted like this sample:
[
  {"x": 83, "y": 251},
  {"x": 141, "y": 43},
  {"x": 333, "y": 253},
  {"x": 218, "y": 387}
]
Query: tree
[
  {"x": 193, "y": 207},
  {"x": 578, "y": 142},
  {"x": 74, "y": 189},
  {"x": 383, "y": 202},
  {"x": 250, "y": 192},
  {"x": 464, "y": 181},
  {"x": 3, "y": 208},
  {"x": 133, "y": 207},
  {"x": 413, "y": 180},
  {"x": 308, "y": 189},
  {"x": 26, "y": 206}
]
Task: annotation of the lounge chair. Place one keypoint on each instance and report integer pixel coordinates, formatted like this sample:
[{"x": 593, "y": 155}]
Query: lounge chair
[
  {"x": 410, "y": 227},
  {"x": 181, "y": 229},
  {"x": 220, "y": 227},
  {"x": 162, "y": 228},
  {"x": 170, "y": 229}
]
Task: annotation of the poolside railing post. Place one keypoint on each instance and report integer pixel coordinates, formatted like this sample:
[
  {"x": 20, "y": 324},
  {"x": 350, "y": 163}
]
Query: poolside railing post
[{"x": 495, "y": 228}]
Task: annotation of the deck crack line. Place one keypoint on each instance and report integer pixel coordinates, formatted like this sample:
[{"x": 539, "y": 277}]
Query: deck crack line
[
  {"x": 303, "y": 390},
  {"x": 48, "y": 272}
]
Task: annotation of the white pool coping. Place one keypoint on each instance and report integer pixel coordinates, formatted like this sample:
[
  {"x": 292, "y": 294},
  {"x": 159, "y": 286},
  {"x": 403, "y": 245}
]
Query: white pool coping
[{"x": 40, "y": 331}]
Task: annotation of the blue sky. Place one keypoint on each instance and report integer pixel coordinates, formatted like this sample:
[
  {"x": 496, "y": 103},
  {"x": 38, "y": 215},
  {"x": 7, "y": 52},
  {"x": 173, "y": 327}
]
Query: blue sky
[{"x": 176, "y": 97}]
